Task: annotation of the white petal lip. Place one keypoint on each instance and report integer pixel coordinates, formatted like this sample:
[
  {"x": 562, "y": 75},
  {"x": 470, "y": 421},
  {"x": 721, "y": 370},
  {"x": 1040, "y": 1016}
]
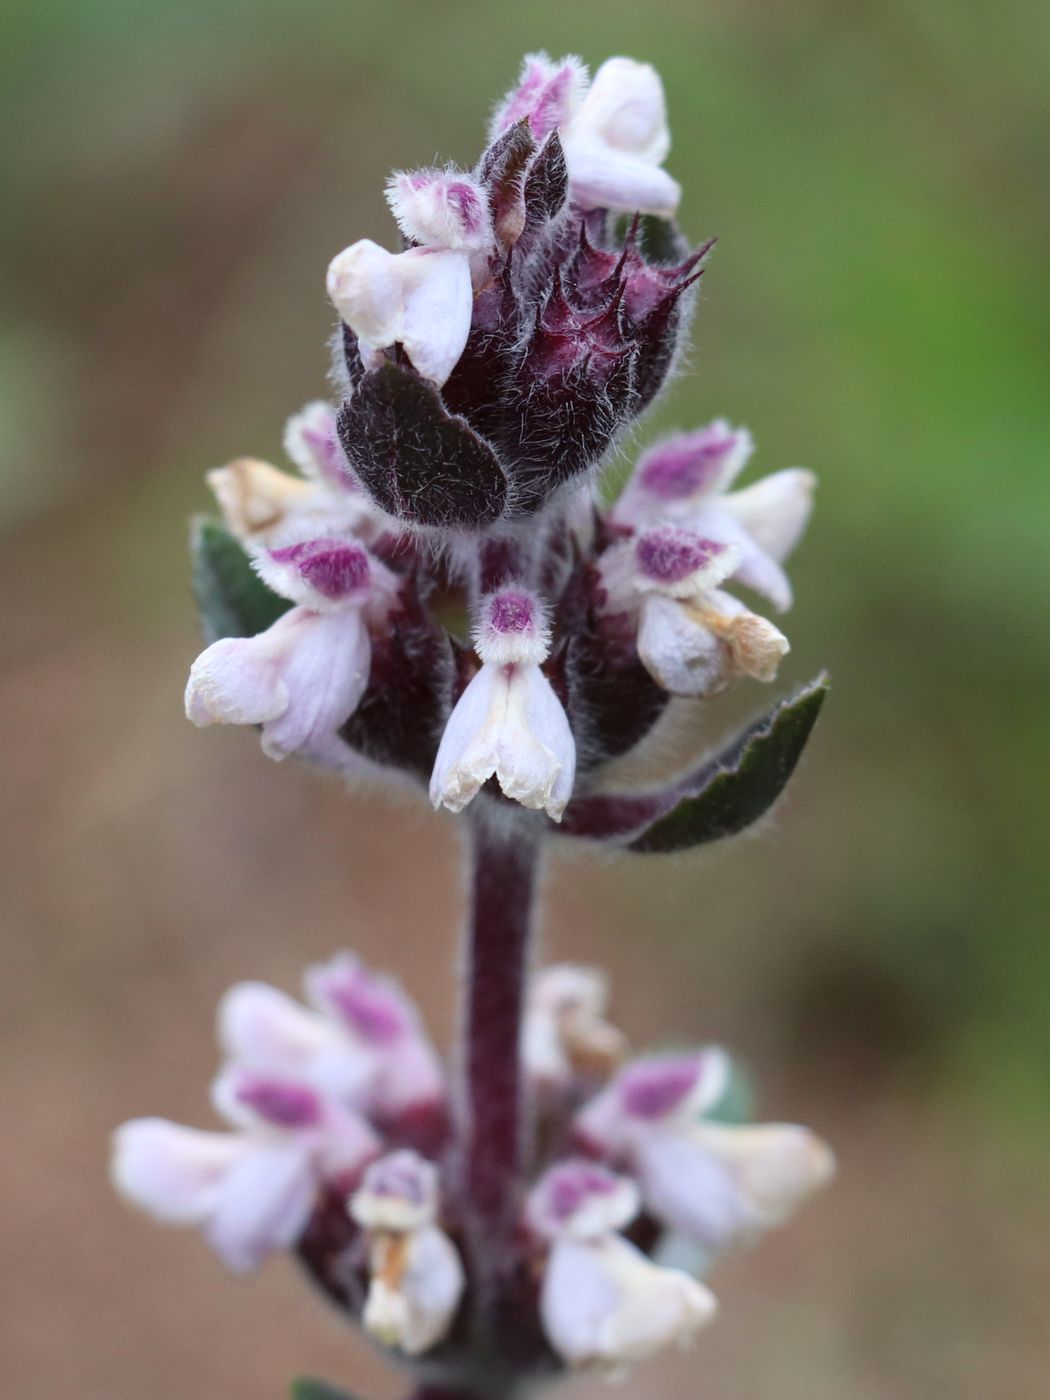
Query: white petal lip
[
  {"x": 617, "y": 140},
  {"x": 418, "y": 1313},
  {"x": 692, "y": 1192},
  {"x": 678, "y": 651},
  {"x": 775, "y": 510},
  {"x": 605, "y": 1304},
  {"x": 461, "y": 767},
  {"x": 326, "y": 674},
  {"x": 174, "y": 1173},
  {"x": 238, "y": 680},
  {"x": 776, "y": 1166},
  {"x": 301, "y": 680},
  {"x": 508, "y": 723},
  {"x": 422, "y": 298},
  {"x": 263, "y": 1204},
  {"x": 720, "y": 1185},
  {"x": 603, "y": 179},
  {"x": 626, "y": 108}
]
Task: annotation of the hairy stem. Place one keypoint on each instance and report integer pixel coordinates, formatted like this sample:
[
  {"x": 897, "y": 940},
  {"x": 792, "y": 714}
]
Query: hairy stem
[{"x": 504, "y": 861}]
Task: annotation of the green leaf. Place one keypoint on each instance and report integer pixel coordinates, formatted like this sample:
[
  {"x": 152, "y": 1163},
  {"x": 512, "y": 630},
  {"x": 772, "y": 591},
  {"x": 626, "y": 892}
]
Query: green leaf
[
  {"x": 746, "y": 782},
  {"x": 309, "y": 1388},
  {"x": 232, "y": 598}
]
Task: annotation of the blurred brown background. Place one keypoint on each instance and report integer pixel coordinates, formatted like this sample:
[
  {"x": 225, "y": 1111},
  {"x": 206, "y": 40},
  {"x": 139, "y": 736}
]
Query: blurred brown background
[{"x": 177, "y": 178}]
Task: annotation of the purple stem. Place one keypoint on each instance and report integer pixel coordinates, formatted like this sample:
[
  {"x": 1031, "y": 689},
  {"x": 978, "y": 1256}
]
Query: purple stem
[{"x": 504, "y": 859}]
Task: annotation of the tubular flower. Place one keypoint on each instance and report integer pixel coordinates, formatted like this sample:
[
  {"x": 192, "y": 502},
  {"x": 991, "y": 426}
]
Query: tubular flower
[
  {"x": 416, "y": 1279},
  {"x": 613, "y": 130},
  {"x": 603, "y": 1302},
  {"x": 508, "y": 723},
  {"x": 715, "y": 1183},
  {"x": 303, "y": 677},
  {"x": 262, "y": 505},
  {"x": 685, "y": 481},
  {"x": 565, "y": 1034},
  {"x": 252, "y": 1191},
  {"x": 693, "y": 638}
]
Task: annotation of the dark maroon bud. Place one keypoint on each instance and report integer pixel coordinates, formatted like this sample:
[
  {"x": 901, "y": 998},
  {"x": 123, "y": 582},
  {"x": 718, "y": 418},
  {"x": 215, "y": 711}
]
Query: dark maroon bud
[
  {"x": 415, "y": 459},
  {"x": 658, "y": 337},
  {"x": 546, "y": 185},
  {"x": 562, "y": 423},
  {"x": 502, "y": 169}
]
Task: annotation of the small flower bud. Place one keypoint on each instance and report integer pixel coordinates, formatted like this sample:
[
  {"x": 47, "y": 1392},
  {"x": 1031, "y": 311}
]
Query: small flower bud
[
  {"x": 546, "y": 96},
  {"x": 443, "y": 209},
  {"x": 565, "y": 1033}
]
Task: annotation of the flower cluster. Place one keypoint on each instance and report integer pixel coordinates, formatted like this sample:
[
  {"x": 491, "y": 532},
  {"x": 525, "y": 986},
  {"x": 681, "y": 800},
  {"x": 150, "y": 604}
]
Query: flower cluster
[
  {"x": 340, "y": 1150},
  {"x": 484, "y": 371}
]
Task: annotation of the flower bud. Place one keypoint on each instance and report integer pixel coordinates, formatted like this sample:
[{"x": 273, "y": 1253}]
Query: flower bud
[
  {"x": 565, "y": 1032},
  {"x": 444, "y": 209}
]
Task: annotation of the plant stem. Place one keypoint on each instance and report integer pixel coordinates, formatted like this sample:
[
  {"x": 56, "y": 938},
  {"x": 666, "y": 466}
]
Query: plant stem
[{"x": 504, "y": 862}]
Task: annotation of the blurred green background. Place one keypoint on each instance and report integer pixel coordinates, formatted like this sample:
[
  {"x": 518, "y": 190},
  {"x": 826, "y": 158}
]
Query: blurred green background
[{"x": 176, "y": 179}]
